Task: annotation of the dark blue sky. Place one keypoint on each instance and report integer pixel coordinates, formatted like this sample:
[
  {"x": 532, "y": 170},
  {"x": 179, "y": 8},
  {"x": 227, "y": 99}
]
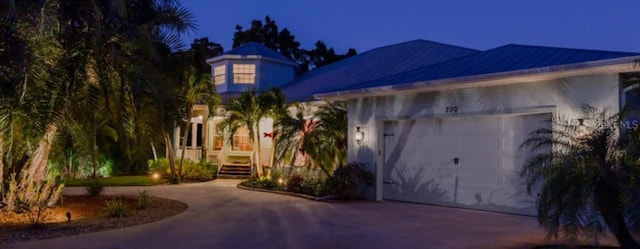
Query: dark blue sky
[{"x": 479, "y": 24}]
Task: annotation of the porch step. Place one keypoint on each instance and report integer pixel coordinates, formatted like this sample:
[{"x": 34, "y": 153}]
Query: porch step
[{"x": 235, "y": 171}]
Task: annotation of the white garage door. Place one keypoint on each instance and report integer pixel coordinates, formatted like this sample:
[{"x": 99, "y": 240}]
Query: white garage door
[{"x": 472, "y": 162}]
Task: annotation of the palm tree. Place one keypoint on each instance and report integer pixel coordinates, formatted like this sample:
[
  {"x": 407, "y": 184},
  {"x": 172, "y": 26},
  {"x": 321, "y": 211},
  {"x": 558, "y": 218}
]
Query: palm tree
[
  {"x": 326, "y": 144},
  {"x": 194, "y": 89},
  {"x": 584, "y": 176},
  {"x": 291, "y": 133},
  {"x": 322, "y": 140},
  {"x": 246, "y": 111},
  {"x": 63, "y": 58},
  {"x": 278, "y": 110}
]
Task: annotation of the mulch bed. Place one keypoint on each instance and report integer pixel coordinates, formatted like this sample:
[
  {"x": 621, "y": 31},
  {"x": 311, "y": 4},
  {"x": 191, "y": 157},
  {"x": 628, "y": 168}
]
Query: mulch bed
[{"x": 87, "y": 215}]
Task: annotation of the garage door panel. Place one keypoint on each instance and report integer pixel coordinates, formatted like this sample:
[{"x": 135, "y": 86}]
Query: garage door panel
[
  {"x": 513, "y": 164},
  {"x": 479, "y": 145},
  {"x": 416, "y": 183},
  {"x": 487, "y": 174}
]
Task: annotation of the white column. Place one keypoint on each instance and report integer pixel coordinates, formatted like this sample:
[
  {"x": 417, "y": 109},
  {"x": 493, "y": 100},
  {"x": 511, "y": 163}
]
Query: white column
[
  {"x": 176, "y": 138},
  {"x": 194, "y": 135}
]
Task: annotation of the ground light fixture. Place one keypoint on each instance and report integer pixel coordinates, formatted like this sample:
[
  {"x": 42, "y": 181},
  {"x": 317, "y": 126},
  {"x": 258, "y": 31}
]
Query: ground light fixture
[{"x": 359, "y": 136}]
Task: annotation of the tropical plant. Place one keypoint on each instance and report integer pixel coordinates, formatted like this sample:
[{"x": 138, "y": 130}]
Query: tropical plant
[
  {"x": 194, "y": 89},
  {"x": 108, "y": 56},
  {"x": 294, "y": 184},
  {"x": 95, "y": 187},
  {"x": 246, "y": 110},
  {"x": 116, "y": 208},
  {"x": 291, "y": 131},
  {"x": 348, "y": 180},
  {"x": 585, "y": 172},
  {"x": 278, "y": 109},
  {"x": 25, "y": 195},
  {"x": 143, "y": 199},
  {"x": 326, "y": 143}
]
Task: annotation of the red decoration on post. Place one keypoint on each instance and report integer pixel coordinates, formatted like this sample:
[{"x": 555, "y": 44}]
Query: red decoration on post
[{"x": 268, "y": 134}]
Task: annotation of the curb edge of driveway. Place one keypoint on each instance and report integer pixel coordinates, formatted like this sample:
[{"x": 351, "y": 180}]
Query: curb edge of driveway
[{"x": 309, "y": 197}]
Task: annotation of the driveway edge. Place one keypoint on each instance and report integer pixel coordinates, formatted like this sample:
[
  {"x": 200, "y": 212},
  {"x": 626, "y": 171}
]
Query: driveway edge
[{"x": 309, "y": 197}]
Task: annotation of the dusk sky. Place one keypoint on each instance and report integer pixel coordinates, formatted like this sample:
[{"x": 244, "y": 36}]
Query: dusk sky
[{"x": 363, "y": 25}]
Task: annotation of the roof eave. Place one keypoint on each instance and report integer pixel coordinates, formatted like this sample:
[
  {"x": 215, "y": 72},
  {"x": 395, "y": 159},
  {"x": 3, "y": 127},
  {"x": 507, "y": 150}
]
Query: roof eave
[
  {"x": 617, "y": 65},
  {"x": 252, "y": 57}
]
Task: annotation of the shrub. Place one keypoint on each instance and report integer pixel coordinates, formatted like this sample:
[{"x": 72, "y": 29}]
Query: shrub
[
  {"x": 25, "y": 195},
  {"x": 116, "y": 208},
  {"x": 143, "y": 199},
  {"x": 191, "y": 171},
  {"x": 266, "y": 182},
  {"x": 160, "y": 166},
  {"x": 314, "y": 186},
  {"x": 95, "y": 188},
  {"x": 347, "y": 180},
  {"x": 295, "y": 183},
  {"x": 198, "y": 171}
]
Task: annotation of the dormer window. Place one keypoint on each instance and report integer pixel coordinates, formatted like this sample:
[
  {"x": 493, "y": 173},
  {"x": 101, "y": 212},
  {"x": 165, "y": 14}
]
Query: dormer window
[
  {"x": 219, "y": 74},
  {"x": 244, "y": 73}
]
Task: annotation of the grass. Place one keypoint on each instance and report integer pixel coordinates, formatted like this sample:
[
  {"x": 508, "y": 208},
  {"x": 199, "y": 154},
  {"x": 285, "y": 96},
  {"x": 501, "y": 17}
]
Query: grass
[{"x": 143, "y": 180}]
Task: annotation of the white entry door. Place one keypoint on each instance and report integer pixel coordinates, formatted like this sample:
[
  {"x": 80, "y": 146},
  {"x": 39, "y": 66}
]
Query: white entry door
[{"x": 472, "y": 162}]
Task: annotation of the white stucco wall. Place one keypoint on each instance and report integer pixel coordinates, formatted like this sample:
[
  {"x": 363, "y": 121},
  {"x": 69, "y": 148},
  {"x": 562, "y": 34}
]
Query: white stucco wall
[{"x": 561, "y": 96}]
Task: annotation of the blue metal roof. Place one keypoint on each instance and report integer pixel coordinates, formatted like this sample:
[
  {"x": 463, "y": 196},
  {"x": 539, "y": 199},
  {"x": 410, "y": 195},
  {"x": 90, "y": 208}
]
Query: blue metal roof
[
  {"x": 255, "y": 48},
  {"x": 371, "y": 65},
  {"x": 502, "y": 59}
]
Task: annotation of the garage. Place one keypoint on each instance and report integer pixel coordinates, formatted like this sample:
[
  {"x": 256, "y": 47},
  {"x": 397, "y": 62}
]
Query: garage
[{"x": 472, "y": 162}]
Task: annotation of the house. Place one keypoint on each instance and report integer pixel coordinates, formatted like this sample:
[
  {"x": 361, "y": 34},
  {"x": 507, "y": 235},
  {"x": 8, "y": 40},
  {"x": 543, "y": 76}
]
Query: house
[
  {"x": 449, "y": 133},
  {"x": 253, "y": 65},
  {"x": 436, "y": 123}
]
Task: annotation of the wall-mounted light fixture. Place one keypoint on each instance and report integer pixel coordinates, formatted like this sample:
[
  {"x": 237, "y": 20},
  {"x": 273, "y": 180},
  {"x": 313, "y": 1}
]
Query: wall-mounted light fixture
[
  {"x": 359, "y": 135},
  {"x": 581, "y": 130}
]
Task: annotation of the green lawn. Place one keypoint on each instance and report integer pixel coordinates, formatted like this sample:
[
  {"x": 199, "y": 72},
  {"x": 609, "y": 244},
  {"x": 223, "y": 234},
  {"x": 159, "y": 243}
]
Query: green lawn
[{"x": 117, "y": 181}]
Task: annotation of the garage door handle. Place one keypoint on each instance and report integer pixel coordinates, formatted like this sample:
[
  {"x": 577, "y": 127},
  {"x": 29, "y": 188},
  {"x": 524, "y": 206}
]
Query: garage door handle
[{"x": 388, "y": 182}]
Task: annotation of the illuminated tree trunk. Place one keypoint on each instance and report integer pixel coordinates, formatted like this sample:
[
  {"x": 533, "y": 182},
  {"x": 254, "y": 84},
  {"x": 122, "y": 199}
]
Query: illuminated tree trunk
[
  {"x": 1, "y": 164},
  {"x": 257, "y": 149},
  {"x": 170, "y": 155},
  {"x": 38, "y": 167},
  {"x": 272, "y": 154},
  {"x": 184, "y": 142}
]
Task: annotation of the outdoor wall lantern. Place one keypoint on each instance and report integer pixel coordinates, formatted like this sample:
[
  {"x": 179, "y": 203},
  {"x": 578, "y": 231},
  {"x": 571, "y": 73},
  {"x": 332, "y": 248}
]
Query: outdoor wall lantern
[
  {"x": 581, "y": 130},
  {"x": 359, "y": 136}
]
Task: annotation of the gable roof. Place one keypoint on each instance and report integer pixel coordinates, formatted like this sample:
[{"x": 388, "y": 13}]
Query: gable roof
[
  {"x": 253, "y": 49},
  {"x": 373, "y": 64},
  {"x": 499, "y": 60}
]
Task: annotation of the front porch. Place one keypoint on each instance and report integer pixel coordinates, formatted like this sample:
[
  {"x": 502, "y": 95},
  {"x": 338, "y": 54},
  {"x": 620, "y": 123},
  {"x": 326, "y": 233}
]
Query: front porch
[{"x": 234, "y": 155}]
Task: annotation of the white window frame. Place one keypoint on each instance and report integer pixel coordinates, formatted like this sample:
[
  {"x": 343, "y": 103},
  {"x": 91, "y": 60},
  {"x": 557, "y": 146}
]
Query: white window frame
[
  {"x": 219, "y": 74},
  {"x": 244, "y": 73}
]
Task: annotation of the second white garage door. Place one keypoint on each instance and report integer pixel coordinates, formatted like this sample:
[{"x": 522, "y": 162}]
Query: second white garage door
[{"x": 473, "y": 162}]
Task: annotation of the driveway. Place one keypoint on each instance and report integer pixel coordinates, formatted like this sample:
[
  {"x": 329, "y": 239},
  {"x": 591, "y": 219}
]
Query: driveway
[{"x": 223, "y": 216}]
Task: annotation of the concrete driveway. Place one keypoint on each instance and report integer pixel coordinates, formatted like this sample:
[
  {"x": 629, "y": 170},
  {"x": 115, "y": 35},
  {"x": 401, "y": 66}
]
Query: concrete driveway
[{"x": 223, "y": 216}]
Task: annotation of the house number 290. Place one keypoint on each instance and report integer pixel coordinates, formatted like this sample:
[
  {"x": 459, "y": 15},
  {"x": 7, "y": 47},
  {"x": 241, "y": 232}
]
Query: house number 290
[{"x": 451, "y": 109}]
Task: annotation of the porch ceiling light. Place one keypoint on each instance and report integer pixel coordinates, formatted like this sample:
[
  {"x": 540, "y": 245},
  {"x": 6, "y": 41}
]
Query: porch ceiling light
[{"x": 359, "y": 136}]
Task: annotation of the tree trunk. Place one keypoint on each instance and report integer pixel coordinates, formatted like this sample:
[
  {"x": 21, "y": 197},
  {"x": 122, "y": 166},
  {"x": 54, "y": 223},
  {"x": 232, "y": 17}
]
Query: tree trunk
[
  {"x": 259, "y": 169},
  {"x": 155, "y": 154},
  {"x": 608, "y": 203},
  {"x": 170, "y": 155},
  {"x": 205, "y": 141},
  {"x": 184, "y": 141},
  {"x": 1, "y": 164},
  {"x": 38, "y": 167},
  {"x": 272, "y": 154},
  {"x": 94, "y": 158}
]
